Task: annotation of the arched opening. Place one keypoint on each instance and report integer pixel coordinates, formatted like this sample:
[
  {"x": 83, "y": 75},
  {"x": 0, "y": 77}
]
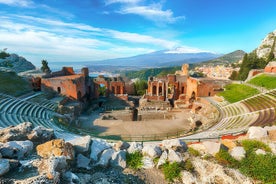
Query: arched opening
[
  {"x": 79, "y": 95},
  {"x": 182, "y": 90},
  {"x": 58, "y": 90},
  {"x": 193, "y": 97},
  {"x": 209, "y": 94},
  {"x": 113, "y": 89},
  {"x": 102, "y": 90},
  {"x": 154, "y": 90},
  {"x": 160, "y": 90},
  {"x": 135, "y": 115},
  {"x": 118, "y": 90}
]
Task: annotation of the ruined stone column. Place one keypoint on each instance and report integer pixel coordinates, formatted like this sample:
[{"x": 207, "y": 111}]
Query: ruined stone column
[
  {"x": 151, "y": 89},
  {"x": 157, "y": 89},
  {"x": 162, "y": 88},
  {"x": 167, "y": 85}
]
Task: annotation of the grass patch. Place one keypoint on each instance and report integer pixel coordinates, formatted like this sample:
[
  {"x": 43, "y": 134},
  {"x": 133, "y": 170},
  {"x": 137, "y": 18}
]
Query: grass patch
[
  {"x": 236, "y": 92},
  {"x": 134, "y": 160},
  {"x": 253, "y": 145},
  {"x": 171, "y": 170},
  {"x": 224, "y": 158},
  {"x": 193, "y": 152},
  {"x": 260, "y": 167},
  {"x": 12, "y": 84},
  {"x": 263, "y": 80}
]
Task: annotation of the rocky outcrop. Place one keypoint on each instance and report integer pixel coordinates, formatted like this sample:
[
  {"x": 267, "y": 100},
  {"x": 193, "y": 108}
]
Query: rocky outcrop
[
  {"x": 152, "y": 151},
  {"x": 118, "y": 159},
  {"x": 16, "y": 133},
  {"x": 213, "y": 147},
  {"x": 83, "y": 162},
  {"x": 135, "y": 146},
  {"x": 256, "y": 133},
  {"x": 81, "y": 144},
  {"x": 16, "y": 63},
  {"x": 175, "y": 144},
  {"x": 238, "y": 153},
  {"x": 4, "y": 166},
  {"x": 105, "y": 157},
  {"x": 97, "y": 147},
  {"x": 267, "y": 45},
  {"x": 41, "y": 134},
  {"x": 57, "y": 147},
  {"x": 16, "y": 149}
]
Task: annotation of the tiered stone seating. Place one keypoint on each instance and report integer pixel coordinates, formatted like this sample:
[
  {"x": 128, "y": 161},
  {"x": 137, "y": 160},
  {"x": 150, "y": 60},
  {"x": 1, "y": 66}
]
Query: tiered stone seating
[{"x": 14, "y": 111}]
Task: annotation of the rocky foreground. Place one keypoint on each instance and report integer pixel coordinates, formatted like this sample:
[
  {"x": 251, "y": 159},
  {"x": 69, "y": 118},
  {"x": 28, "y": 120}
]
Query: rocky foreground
[{"x": 35, "y": 155}]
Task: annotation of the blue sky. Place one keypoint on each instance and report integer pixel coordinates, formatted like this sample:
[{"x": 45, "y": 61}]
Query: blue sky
[{"x": 91, "y": 30}]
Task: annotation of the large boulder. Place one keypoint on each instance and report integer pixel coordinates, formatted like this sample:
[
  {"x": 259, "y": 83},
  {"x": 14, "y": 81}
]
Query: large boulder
[
  {"x": 256, "y": 133},
  {"x": 120, "y": 145},
  {"x": 135, "y": 147},
  {"x": 81, "y": 144},
  {"x": 147, "y": 162},
  {"x": 83, "y": 162},
  {"x": 272, "y": 134},
  {"x": 213, "y": 147},
  {"x": 56, "y": 167},
  {"x": 238, "y": 153},
  {"x": 260, "y": 152},
  {"x": 57, "y": 147},
  {"x": 105, "y": 157},
  {"x": 97, "y": 147},
  {"x": 200, "y": 148},
  {"x": 16, "y": 149},
  {"x": 175, "y": 144},
  {"x": 118, "y": 159},
  {"x": 174, "y": 156},
  {"x": 163, "y": 158},
  {"x": 152, "y": 150},
  {"x": 41, "y": 134},
  {"x": 230, "y": 144},
  {"x": 15, "y": 133},
  {"x": 4, "y": 166},
  {"x": 69, "y": 177}
]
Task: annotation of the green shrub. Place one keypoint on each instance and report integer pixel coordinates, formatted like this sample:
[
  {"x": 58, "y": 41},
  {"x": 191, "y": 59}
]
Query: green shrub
[
  {"x": 260, "y": 167},
  {"x": 252, "y": 145},
  {"x": 171, "y": 170},
  {"x": 188, "y": 166},
  {"x": 224, "y": 158},
  {"x": 193, "y": 152},
  {"x": 134, "y": 160}
]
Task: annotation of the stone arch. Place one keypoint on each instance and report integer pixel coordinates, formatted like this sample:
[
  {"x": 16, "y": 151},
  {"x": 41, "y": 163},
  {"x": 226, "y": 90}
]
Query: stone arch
[
  {"x": 58, "y": 90},
  {"x": 118, "y": 90},
  {"x": 193, "y": 97},
  {"x": 154, "y": 90},
  {"x": 160, "y": 90},
  {"x": 182, "y": 89}
]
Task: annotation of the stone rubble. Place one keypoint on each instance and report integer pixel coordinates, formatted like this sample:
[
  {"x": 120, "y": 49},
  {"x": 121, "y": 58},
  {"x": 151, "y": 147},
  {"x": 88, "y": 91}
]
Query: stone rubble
[{"x": 90, "y": 160}]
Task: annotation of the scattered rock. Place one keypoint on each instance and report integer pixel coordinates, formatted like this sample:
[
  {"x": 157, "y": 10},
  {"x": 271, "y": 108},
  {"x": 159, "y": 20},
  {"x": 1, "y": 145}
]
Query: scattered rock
[
  {"x": 57, "y": 147},
  {"x": 70, "y": 177},
  {"x": 41, "y": 134},
  {"x": 188, "y": 178},
  {"x": 200, "y": 148},
  {"x": 97, "y": 147},
  {"x": 256, "y": 133},
  {"x": 4, "y": 166},
  {"x": 135, "y": 146},
  {"x": 268, "y": 128},
  {"x": 120, "y": 145},
  {"x": 213, "y": 147},
  {"x": 230, "y": 144},
  {"x": 163, "y": 158},
  {"x": 147, "y": 162},
  {"x": 56, "y": 166},
  {"x": 272, "y": 134},
  {"x": 238, "y": 153},
  {"x": 16, "y": 133},
  {"x": 174, "y": 156},
  {"x": 152, "y": 150},
  {"x": 272, "y": 147},
  {"x": 16, "y": 149},
  {"x": 81, "y": 144},
  {"x": 260, "y": 152},
  {"x": 105, "y": 157},
  {"x": 83, "y": 162},
  {"x": 175, "y": 144},
  {"x": 118, "y": 159}
]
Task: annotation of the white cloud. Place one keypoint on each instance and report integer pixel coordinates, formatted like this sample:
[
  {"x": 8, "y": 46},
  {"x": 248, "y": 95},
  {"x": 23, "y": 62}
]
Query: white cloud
[
  {"x": 184, "y": 49},
  {"x": 20, "y": 3},
  {"x": 108, "y": 2},
  {"x": 152, "y": 12}
]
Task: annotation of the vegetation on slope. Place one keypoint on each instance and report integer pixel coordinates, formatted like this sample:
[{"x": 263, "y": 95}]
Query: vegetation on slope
[
  {"x": 236, "y": 92},
  {"x": 227, "y": 58},
  {"x": 263, "y": 80},
  {"x": 145, "y": 73},
  {"x": 12, "y": 84}
]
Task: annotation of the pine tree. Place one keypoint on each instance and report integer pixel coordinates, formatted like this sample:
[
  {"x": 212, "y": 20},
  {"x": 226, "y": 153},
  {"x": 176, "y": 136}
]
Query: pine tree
[{"x": 45, "y": 68}]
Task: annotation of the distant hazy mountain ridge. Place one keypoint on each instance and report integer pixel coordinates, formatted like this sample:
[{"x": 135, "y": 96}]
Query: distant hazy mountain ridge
[{"x": 229, "y": 58}]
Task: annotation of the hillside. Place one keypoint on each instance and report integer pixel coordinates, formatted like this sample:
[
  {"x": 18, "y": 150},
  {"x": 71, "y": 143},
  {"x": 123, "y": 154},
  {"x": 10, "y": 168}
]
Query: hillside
[
  {"x": 226, "y": 59},
  {"x": 12, "y": 84},
  {"x": 15, "y": 62}
]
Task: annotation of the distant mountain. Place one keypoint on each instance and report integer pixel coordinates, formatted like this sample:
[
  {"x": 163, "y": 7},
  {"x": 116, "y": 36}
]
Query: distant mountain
[
  {"x": 229, "y": 58},
  {"x": 162, "y": 58}
]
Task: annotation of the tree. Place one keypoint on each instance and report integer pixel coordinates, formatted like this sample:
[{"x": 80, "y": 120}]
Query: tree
[
  {"x": 140, "y": 87},
  {"x": 45, "y": 68},
  {"x": 234, "y": 75}
]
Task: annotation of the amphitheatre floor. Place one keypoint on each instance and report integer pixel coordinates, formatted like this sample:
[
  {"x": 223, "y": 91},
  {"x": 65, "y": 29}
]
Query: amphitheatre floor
[{"x": 132, "y": 128}]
